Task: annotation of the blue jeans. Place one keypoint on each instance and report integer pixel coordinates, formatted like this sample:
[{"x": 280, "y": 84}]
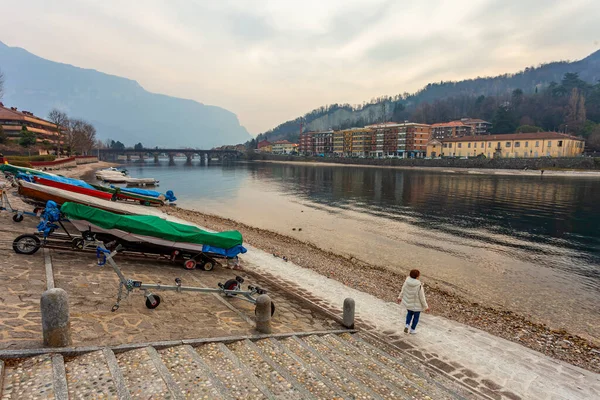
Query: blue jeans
[{"x": 414, "y": 316}]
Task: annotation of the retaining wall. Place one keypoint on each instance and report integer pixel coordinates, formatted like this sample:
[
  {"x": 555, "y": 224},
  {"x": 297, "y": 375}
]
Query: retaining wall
[{"x": 580, "y": 163}]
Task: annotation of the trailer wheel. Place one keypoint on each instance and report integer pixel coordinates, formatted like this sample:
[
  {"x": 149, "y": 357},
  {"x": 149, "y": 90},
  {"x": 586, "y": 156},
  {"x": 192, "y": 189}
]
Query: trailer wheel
[
  {"x": 18, "y": 217},
  {"x": 149, "y": 303},
  {"x": 272, "y": 309},
  {"x": 231, "y": 284},
  {"x": 208, "y": 265},
  {"x": 77, "y": 243},
  {"x": 189, "y": 264},
  {"x": 26, "y": 244}
]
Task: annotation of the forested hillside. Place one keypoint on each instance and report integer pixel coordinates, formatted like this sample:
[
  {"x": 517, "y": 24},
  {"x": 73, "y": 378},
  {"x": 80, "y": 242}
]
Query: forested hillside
[{"x": 560, "y": 96}]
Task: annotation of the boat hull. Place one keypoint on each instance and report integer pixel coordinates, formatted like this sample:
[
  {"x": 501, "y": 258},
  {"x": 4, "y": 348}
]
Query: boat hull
[{"x": 72, "y": 188}]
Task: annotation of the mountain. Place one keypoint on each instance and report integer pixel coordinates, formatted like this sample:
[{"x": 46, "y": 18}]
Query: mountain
[
  {"x": 119, "y": 108},
  {"x": 456, "y": 96}
]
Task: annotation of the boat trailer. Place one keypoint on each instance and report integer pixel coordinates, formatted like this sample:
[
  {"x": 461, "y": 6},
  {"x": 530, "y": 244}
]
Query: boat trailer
[
  {"x": 231, "y": 288},
  {"x": 18, "y": 214}
]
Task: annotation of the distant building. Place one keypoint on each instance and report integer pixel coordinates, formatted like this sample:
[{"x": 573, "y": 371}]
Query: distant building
[
  {"x": 283, "y": 147},
  {"x": 399, "y": 139},
  {"x": 323, "y": 143},
  {"x": 306, "y": 145},
  {"x": 353, "y": 142},
  {"x": 450, "y": 129},
  {"x": 264, "y": 146},
  {"x": 478, "y": 126},
  {"x": 462, "y": 127},
  {"x": 12, "y": 121},
  {"x": 516, "y": 145}
]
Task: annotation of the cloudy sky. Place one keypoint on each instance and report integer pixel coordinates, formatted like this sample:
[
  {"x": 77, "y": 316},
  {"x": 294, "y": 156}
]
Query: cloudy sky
[{"x": 272, "y": 60}]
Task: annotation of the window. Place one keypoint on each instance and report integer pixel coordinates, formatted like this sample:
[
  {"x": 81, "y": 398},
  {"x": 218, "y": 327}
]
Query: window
[
  {"x": 526, "y": 144},
  {"x": 459, "y": 145},
  {"x": 549, "y": 143},
  {"x": 537, "y": 144},
  {"x": 469, "y": 146},
  {"x": 560, "y": 143},
  {"x": 507, "y": 144},
  {"x": 517, "y": 144},
  {"x": 482, "y": 144},
  {"x": 490, "y": 144}
]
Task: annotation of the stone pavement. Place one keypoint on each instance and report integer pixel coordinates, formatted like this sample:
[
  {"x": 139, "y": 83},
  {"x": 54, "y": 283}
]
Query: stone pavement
[
  {"x": 493, "y": 366},
  {"x": 93, "y": 290},
  {"x": 22, "y": 281}
]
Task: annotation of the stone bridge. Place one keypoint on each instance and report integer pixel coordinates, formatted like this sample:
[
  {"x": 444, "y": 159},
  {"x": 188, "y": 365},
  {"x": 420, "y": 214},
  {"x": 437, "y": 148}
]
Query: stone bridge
[{"x": 206, "y": 156}]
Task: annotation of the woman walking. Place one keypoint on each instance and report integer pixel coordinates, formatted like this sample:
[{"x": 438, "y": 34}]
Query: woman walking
[{"x": 413, "y": 297}]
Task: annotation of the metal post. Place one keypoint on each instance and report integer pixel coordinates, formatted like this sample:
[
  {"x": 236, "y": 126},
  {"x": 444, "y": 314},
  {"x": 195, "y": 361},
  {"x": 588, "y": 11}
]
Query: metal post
[
  {"x": 349, "y": 313},
  {"x": 263, "y": 314},
  {"x": 56, "y": 327}
]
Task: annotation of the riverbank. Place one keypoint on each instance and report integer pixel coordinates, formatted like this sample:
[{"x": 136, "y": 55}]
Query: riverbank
[
  {"x": 463, "y": 170},
  {"x": 385, "y": 285}
]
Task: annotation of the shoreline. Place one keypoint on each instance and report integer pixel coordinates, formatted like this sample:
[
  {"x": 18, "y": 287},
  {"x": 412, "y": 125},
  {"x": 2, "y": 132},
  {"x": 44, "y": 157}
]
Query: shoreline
[
  {"x": 385, "y": 284},
  {"x": 465, "y": 170}
]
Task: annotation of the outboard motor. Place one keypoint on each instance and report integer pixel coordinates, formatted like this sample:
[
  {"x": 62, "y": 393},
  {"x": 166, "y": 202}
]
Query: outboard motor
[{"x": 170, "y": 196}]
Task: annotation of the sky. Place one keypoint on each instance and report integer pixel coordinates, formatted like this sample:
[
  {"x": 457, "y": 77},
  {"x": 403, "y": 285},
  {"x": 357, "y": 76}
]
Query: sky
[{"x": 273, "y": 60}]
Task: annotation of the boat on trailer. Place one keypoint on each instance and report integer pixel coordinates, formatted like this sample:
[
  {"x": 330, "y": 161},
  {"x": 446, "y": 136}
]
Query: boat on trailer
[{"x": 91, "y": 191}]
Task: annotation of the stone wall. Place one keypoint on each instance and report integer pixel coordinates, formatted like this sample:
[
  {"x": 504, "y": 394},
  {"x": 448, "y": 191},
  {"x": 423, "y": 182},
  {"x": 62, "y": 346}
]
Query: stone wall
[
  {"x": 86, "y": 159},
  {"x": 580, "y": 163}
]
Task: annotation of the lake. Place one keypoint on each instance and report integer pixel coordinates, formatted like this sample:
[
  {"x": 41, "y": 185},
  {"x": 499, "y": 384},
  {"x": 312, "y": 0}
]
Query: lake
[{"x": 528, "y": 243}]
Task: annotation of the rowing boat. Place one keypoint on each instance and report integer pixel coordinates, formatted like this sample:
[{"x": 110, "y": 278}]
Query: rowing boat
[{"x": 73, "y": 188}]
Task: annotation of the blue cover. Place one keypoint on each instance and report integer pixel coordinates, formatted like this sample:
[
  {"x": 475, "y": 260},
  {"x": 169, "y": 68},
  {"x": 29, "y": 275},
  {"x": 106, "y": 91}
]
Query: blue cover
[
  {"x": 229, "y": 253},
  {"x": 50, "y": 215},
  {"x": 69, "y": 181},
  {"x": 144, "y": 192}
]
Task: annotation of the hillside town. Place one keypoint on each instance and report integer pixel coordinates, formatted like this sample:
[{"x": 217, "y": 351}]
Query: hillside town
[{"x": 467, "y": 137}]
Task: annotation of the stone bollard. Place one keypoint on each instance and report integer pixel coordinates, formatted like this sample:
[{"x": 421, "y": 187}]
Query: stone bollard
[
  {"x": 263, "y": 314},
  {"x": 56, "y": 326},
  {"x": 349, "y": 313}
]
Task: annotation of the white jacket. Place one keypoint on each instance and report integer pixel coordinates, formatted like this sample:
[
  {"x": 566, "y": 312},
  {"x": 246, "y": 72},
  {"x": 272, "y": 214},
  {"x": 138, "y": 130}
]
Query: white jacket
[{"x": 413, "y": 295}]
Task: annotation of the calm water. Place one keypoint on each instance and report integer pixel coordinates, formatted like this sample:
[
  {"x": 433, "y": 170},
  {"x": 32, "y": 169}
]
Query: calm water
[{"x": 529, "y": 243}]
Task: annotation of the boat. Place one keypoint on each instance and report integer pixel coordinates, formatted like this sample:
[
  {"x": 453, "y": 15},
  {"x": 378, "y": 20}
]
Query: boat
[
  {"x": 14, "y": 170},
  {"x": 141, "y": 182},
  {"x": 89, "y": 191},
  {"x": 152, "y": 234},
  {"x": 130, "y": 195},
  {"x": 43, "y": 193},
  {"x": 111, "y": 176}
]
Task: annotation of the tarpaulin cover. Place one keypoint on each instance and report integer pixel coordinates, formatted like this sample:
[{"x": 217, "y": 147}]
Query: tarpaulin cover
[
  {"x": 150, "y": 225},
  {"x": 143, "y": 192},
  {"x": 69, "y": 181}
]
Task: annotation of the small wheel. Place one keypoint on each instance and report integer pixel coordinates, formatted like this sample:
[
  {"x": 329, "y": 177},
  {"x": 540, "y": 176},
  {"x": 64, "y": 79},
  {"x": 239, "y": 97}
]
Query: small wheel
[
  {"x": 18, "y": 217},
  {"x": 77, "y": 243},
  {"x": 272, "y": 309},
  {"x": 189, "y": 264},
  {"x": 26, "y": 244},
  {"x": 231, "y": 284},
  {"x": 208, "y": 265},
  {"x": 156, "y": 302}
]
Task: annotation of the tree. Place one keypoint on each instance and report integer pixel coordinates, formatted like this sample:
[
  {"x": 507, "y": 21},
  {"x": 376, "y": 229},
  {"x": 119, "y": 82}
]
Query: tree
[
  {"x": 593, "y": 142},
  {"x": 3, "y": 137},
  {"x": 517, "y": 98},
  {"x": 529, "y": 129},
  {"x": 85, "y": 137},
  {"x": 61, "y": 120},
  {"x": 575, "y": 111},
  {"x": 138, "y": 146},
  {"x": 117, "y": 145},
  {"x": 504, "y": 120},
  {"x": 27, "y": 138}
]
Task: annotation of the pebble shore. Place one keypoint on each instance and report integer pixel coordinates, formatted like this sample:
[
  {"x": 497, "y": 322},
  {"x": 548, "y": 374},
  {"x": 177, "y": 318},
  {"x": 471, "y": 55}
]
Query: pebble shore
[{"x": 386, "y": 284}]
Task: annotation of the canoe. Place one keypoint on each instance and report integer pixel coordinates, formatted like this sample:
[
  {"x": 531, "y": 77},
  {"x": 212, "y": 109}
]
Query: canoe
[
  {"x": 131, "y": 196},
  {"x": 73, "y": 188},
  {"x": 141, "y": 181}
]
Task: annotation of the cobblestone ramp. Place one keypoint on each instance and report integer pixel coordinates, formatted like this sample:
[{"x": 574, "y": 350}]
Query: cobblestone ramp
[{"x": 330, "y": 366}]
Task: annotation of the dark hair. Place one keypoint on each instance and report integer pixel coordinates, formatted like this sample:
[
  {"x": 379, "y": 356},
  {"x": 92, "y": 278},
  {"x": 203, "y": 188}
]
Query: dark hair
[{"x": 414, "y": 273}]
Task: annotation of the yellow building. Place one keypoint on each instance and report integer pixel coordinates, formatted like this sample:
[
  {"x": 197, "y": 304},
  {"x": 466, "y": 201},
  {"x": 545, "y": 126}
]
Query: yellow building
[
  {"x": 517, "y": 145},
  {"x": 354, "y": 142},
  {"x": 283, "y": 147}
]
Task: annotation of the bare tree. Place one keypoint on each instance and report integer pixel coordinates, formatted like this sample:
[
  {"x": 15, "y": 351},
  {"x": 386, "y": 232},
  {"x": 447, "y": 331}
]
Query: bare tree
[
  {"x": 61, "y": 120},
  {"x": 85, "y": 138}
]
